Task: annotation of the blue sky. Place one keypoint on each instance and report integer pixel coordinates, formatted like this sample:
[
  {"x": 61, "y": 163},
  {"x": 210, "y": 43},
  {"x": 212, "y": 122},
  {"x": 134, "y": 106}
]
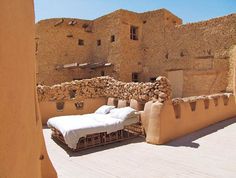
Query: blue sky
[{"x": 188, "y": 10}]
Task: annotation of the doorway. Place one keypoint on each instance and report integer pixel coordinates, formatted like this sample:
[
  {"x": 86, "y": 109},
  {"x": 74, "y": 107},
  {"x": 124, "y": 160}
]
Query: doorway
[{"x": 176, "y": 80}]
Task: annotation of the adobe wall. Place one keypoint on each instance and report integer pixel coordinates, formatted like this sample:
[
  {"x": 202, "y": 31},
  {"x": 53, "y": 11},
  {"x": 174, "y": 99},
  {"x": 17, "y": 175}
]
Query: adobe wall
[
  {"x": 85, "y": 96},
  {"x": 57, "y": 44},
  {"x": 130, "y": 56},
  {"x": 55, "y": 47},
  {"x": 22, "y": 149},
  {"x": 49, "y": 109},
  {"x": 103, "y": 28},
  {"x": 232, "y": 69},
  {"x": 166, "y": 121},
  {"x": 200, "y": 51}
]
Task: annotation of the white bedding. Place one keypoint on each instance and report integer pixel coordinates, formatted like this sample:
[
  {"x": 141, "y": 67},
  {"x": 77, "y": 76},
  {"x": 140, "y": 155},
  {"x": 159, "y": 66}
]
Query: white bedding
[{"x": 74, "y": 127}]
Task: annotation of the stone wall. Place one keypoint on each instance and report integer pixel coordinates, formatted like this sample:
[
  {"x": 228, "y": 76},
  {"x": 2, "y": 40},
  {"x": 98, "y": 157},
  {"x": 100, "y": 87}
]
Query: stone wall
[
  {"x": 57, "y": 44},
  {"x": 200, "y": 50},
  {"x": 106, "y": 87}
]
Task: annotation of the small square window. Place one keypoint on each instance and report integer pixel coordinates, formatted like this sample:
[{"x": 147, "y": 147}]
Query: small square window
[
  {"x": 81, "y": 42},
  {"x": 133, "y": 33},
  {"x": 99, "y": 42},
  {"x": 135, "y": 77},
  {"x": 113, "y": 38}
]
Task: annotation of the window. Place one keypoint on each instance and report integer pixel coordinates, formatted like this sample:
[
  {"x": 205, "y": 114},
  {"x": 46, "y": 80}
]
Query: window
[
  {"x": 152, "y": 79},
  {"x": 102, "y": 73},
  {"x": 60, "y": 106},
  {"x": 81, "y": 42},
  {"x": 99, "y": 42},
  {"x": 135, "y": 77},
  {"x": 167, "y": 55},
  {"x": 113, "y": 38},
  {"x": 133, "y": 33},
  {"x": 36, "y": 46}
]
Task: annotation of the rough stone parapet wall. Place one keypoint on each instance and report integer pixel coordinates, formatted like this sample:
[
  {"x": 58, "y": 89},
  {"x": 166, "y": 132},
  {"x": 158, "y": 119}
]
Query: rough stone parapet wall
[{"x": 106, "y": 87}]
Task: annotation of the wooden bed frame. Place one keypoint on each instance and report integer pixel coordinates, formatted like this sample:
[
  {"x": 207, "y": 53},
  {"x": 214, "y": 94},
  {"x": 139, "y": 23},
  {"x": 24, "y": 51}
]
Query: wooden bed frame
[{"x": 99, "y": 139}]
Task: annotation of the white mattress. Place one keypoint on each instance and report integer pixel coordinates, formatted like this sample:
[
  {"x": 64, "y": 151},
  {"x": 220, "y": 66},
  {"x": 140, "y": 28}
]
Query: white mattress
[
  {"x": 74, "y": 127},
  {"x": 131, "y": 121}
]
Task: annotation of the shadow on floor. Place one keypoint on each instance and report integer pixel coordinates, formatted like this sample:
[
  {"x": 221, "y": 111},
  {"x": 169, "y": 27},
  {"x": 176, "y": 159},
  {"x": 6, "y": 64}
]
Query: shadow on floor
[
  {"x": 98, "y": 148},
  {"x": 188, "y": 140}
]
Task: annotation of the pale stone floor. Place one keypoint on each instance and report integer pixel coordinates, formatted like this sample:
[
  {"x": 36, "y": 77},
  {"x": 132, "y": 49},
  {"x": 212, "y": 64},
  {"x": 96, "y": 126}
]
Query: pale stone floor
[{"x": 210, "y": 152}]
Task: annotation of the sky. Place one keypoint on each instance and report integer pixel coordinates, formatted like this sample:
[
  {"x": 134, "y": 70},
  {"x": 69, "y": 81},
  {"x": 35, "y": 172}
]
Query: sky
[{"x": 188, "y": 10}]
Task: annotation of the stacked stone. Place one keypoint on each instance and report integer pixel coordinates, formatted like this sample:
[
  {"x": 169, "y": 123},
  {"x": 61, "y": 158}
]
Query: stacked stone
[{"x": 160, "y": 90}]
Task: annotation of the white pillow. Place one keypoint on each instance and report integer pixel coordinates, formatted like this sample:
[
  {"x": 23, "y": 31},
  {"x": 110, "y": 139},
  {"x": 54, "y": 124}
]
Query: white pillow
[
  {"x": 105, "y": 109},
  {"x": 123, "y": 113}
]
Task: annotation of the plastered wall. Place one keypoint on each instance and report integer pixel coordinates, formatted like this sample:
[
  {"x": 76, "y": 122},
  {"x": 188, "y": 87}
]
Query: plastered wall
[
  {"x": 49, "y": 109},
  {"x": 166, "y": 121},
  {"x": 22, "y": 150}
]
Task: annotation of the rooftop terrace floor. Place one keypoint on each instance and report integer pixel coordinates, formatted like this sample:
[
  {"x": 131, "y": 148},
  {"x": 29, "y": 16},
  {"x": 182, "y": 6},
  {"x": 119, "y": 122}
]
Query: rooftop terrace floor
[{"x": 210, "y": 152}]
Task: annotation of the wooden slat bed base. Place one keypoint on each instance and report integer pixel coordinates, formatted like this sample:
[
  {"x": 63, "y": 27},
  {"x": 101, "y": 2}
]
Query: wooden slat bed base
[{"x": 99, "y": 139}]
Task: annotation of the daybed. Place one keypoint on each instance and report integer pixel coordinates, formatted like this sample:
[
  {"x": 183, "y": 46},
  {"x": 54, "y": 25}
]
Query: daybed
[{"x": 107, "y": 125}]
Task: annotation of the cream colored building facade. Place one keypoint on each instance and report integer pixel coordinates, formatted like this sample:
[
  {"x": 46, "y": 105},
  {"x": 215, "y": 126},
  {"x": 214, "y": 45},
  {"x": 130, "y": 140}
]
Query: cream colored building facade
[{"x": 131, "y": 46}]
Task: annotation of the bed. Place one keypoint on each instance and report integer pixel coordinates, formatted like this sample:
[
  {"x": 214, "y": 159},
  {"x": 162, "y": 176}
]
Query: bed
[{"x": 107, "y": 125}]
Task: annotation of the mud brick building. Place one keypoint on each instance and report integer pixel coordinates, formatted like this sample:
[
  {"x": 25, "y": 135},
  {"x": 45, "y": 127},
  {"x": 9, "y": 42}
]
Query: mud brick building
[{"x": 197, "y": 58}]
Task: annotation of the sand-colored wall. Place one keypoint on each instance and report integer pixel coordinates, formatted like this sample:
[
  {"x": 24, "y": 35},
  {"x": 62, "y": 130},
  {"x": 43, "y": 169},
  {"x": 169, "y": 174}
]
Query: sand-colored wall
[
  {"x": 93, "y": 93},
  {"x": 165, "y": 122},
  {"x": 201, "y": 50},
  {"x": 103, "y": 28},
  {"x": 48, "y": 109},
  {"x": 232, "y": 69},
  {"x": 55, "y": 48},
  {"x": 22, "y": 149},
  {"x": 61, "y": 47}
]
